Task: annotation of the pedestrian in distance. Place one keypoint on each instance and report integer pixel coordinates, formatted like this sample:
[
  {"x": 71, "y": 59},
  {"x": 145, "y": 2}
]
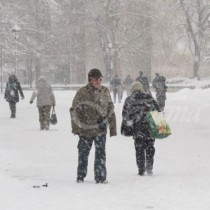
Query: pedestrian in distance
[
  {"x": 144, "y": 81},
  {"x": 134, "y": 114},
  {"x": 159, "y": 84},
  {"x": 116, "y": 87},
  {"x": 92, "y": 111},
  {"x": 45, "y": 100},
  {"x": 127, "y": 84},
  {"x": 12, "y": 91}
]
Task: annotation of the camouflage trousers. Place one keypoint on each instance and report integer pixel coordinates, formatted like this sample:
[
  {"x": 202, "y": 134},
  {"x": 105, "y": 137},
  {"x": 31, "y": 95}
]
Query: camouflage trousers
[
  {"x": 44, "y": 117},
  {"x": 145, "y": 152}
]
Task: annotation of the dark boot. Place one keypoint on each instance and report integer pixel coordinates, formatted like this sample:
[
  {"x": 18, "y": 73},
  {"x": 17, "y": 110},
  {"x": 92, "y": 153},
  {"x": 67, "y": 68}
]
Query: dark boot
[
  {"x": 12, "y": 115},
  {"x": 149, "y": 172},
  {"x": 141, "y": 172},
  {"x": 47, "y": 126},
  {"x": 80, "y": 179},
  {"x": 41, "y": 126}
]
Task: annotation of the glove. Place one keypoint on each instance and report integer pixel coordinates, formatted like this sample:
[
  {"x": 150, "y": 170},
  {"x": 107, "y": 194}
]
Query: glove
[{"x": 31, "y": 102}]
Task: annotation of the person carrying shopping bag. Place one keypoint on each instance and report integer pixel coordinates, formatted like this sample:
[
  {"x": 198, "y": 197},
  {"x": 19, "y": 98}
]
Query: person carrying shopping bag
[{"x": 45, "y": 101}]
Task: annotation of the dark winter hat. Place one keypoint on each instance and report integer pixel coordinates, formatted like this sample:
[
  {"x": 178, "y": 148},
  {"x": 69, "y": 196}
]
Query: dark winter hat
[
  {"x": 95, "y": 73},
  {"x": 13, "y": 78}
]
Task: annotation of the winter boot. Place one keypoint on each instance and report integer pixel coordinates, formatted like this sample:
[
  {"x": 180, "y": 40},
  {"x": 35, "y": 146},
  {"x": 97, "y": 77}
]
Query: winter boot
[{"x": 80, "y": 179}]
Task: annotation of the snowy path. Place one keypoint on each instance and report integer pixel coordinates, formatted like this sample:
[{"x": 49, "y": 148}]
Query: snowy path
[{"x": 30, "y": 157}]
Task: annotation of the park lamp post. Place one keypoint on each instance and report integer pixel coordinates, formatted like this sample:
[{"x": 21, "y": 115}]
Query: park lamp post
[
  {"x": 1, "y": 73},
  {"x": 15, "y": 30}
]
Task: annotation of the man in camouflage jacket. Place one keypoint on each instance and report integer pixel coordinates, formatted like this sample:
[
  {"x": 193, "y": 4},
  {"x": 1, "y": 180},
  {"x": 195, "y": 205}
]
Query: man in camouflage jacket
[{"x": 92, "y": 112}]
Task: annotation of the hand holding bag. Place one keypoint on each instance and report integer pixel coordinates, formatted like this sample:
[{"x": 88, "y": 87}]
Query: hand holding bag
[{"x": 53, "y": 117}]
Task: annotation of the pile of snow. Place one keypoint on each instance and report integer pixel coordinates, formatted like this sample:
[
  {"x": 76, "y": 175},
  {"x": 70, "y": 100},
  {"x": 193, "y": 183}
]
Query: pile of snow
[{"x": 188, "y": 82}]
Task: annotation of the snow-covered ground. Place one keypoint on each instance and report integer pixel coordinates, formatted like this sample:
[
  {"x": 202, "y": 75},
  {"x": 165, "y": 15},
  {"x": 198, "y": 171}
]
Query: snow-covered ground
[
  {"x": 30, "y": 157},
  {"x": 187, "y": 82}
]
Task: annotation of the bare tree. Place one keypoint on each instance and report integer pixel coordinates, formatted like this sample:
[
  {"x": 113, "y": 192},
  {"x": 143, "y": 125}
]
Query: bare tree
[
  {"x": 124, "y": 33},
  {"x": 197, "y": 13},
  {"x": 65, "y": 38}
]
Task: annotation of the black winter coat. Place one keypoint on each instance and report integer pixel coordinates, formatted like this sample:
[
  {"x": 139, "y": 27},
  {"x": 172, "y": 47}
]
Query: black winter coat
[
  {"x": 134, "y": 112},
  {"x": 115, "y": 82},
  {"x": 11, "y": 92},
  {"x": 144, "y": 81}
]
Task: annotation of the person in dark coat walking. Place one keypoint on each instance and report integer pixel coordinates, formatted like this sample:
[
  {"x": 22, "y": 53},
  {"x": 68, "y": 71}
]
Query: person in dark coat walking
[
  {"x": 127, "y": 84},
  {"x": 159, "y": 84},
  {"x": 116, "y": 87},
  {"x": 92, "y": 111},
  {"x": 12, "y": 91},
  {"x": 144, "y": 81},
  {"x": 134, "y": 113}
]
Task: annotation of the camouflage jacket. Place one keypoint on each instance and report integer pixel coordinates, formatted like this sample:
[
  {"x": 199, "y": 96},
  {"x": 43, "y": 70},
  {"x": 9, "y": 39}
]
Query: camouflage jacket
[{"x": 92, "y": 112}]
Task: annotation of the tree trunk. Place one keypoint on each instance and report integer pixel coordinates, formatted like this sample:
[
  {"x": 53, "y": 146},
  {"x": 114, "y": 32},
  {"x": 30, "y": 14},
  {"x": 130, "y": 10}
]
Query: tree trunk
[
  {"x": 148, "y": 50},
  {"x": 29, "y": 62},
  {"x": 146, "y": 45},
  {"x": 196, "y": 36},
  {"x": 37, "y": 68},
  {"x": 37, "y": 57},
  {"x": 196, "y": 67}
]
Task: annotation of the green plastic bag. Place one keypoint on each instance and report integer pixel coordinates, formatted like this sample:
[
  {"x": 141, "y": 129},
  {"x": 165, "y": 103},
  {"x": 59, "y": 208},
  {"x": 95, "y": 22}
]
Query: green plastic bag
[{"x": 158, "y": 126}]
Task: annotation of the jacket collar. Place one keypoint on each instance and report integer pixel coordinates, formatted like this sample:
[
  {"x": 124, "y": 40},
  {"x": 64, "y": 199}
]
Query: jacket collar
[{"x": 93, "y": 89}]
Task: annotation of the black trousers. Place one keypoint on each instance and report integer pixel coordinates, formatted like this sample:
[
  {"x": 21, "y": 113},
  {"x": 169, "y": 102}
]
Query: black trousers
[
  {"x": 161, "y": 101},
  {"x": 117, "y": 92},
  {"x": 12, "y": 106},
  {"x": 84, "y": 147},
  {"x": 145, "y": 152}
]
